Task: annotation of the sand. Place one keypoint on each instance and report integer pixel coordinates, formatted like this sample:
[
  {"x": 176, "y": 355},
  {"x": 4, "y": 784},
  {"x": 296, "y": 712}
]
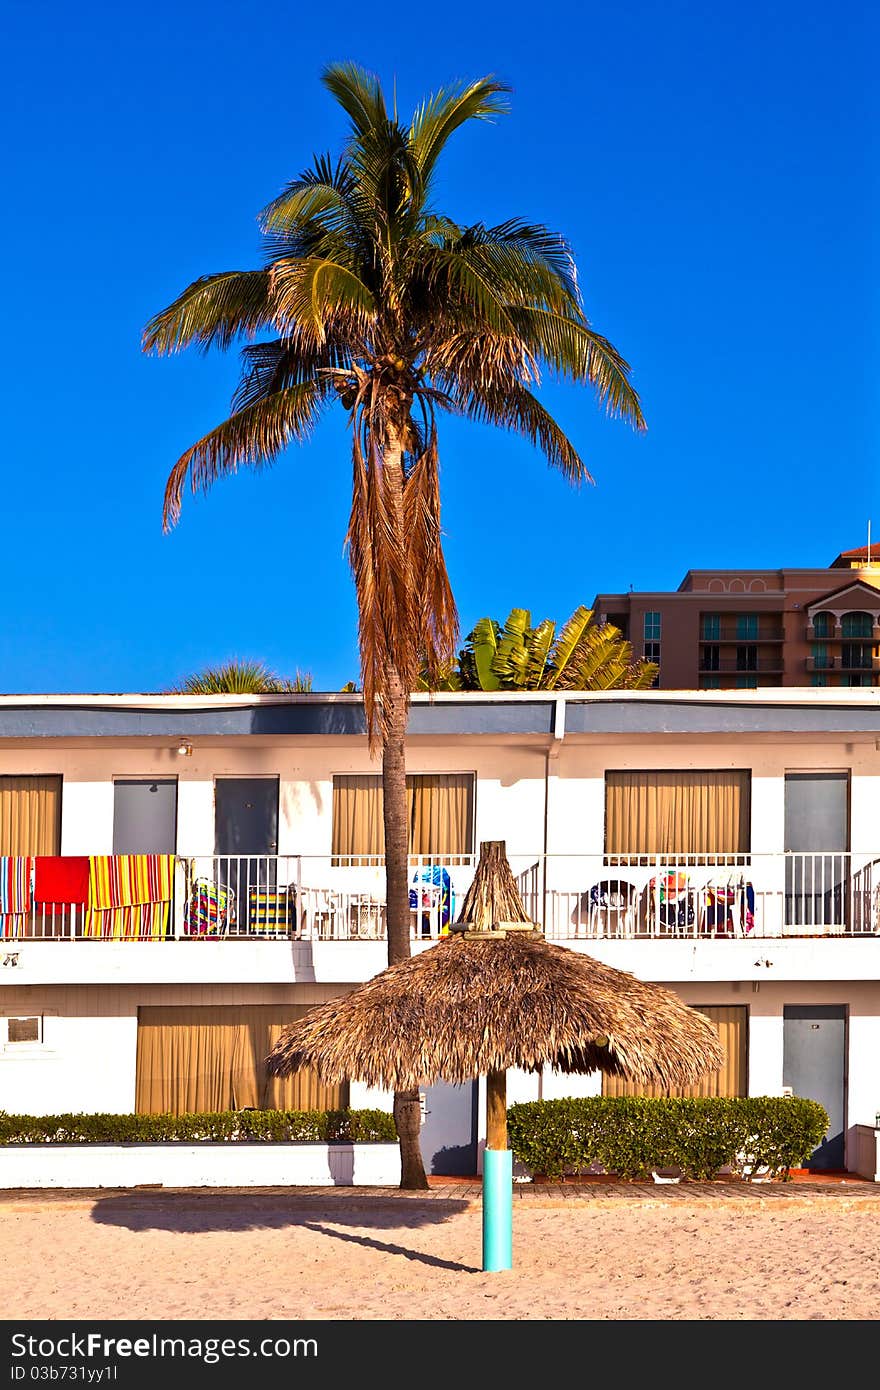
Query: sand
[{"x": 226, "y": 1257}]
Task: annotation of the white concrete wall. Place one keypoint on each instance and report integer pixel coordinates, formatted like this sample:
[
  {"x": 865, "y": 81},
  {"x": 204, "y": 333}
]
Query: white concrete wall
[{"x": 199, "y": 1165}]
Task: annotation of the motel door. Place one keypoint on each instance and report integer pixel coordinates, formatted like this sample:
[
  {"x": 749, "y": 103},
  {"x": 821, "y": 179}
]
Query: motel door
[
  {"x": 816, "y": 822},
  {"x": 814, "y": 1066},
  {"x": 449, "y": 1129},
  {"x": 246, "y": 838}
]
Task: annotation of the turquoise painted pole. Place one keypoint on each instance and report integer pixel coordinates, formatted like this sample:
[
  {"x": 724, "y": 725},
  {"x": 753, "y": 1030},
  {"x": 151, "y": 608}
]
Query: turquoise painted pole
[{"x": 497, "y": 1209}]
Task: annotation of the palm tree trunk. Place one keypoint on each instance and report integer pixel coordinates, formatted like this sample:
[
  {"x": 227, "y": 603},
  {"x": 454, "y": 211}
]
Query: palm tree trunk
[{"x": 407, "y": 1108}]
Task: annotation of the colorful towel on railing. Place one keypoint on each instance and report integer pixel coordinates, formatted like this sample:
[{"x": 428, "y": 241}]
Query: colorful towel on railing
[
  {"x": 15, "y": 883},
  {"x": 15, "y": 894},
  {"x": 129, "y": 895},
  {"x": 141, "y": 921},
  {"x": 61, "y": 878}
]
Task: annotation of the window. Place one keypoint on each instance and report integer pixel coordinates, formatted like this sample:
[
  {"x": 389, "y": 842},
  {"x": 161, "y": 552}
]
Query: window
[
  {"x": 710, "y": 627},
  {"x": 652, "y": 627},
  {"x": 820, "y": 678},
  {"x": 710, "y": 659},
  {"x": 652, "y": 652},
  {"x": 819, "y": 653},
  {"x": 856, "y": 625},
  {"x": 21, "y": 1032},
  {"x": 440, "y": 809},
  {"x": 747, "y": 658},
  {"x": 30, "y": 815},
  {"x": 731, "y": 1021},
  {"x": 677, "y": 813},
  {"x": 855, "y": 680},
  {"x": 822, "y": 624},
  {"x": 712, "y": 683},
  {"x": 856, "y": 655},
  {"x": 212, "y": 1057},
  {"x": 746, "y": 627},
  {"x": 747, "y": 682}
]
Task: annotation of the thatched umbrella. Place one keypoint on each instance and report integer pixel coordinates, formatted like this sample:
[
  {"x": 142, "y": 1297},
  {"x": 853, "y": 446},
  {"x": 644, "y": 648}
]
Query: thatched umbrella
[{"x": 493, "y": 995}]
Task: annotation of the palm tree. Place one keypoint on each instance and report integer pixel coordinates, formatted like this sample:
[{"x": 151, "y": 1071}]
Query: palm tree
[
  {"x": 242, "y": 677},
  {"x": 516, "y": 656},
  {"x": 372, "y": 298}
]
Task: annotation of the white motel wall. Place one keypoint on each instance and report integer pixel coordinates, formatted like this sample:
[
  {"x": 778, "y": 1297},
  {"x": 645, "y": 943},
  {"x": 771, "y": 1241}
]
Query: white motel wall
[{"x": 539, "y": 765}]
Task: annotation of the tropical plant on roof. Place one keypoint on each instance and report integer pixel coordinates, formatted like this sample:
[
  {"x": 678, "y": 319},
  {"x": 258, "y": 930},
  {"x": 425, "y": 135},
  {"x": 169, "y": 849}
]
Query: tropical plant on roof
[
  {"x": 243, "y": 677},
  {"x": 514, "y": 655},
  {"x": 371, "y": 296}
]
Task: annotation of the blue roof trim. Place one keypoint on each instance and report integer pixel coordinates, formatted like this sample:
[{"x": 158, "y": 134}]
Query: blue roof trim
[{"x": 328, "y": 718}]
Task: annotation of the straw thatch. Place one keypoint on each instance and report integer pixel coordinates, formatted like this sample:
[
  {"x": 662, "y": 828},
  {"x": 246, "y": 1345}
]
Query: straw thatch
[{"x": 475, "y": 1004}]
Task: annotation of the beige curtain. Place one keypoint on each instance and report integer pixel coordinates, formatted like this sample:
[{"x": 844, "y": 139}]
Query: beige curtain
[
  {"x": 731, "y": 1079},
  {"x": 30, "y": 815},
  {"x": 677, "y": 812},
  {"x": 441, "y": 813},
  {"x": 440, "y": 809},
  {"x": 357, "y": 817},
  {"x": 212, "y": 1057}
]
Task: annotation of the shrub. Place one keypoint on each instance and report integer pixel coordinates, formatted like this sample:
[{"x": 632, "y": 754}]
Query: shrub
[
  {"x": 233, "y": 1126},
  {"x": 633, "y": 1135}
]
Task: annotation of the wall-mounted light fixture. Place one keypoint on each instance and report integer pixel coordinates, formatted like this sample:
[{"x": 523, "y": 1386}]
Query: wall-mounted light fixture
[{"x": 184, "y": 748}]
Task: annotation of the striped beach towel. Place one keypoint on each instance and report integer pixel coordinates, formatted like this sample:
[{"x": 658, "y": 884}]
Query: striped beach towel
[
  {"x": 15, "y": 893},
  {"x": 129, "y": 895}
]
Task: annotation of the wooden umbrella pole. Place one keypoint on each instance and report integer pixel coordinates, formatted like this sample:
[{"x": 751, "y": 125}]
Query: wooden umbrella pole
[
  {"x": 497, "y": 1178},
  {"x": 496, "y": 1110}
]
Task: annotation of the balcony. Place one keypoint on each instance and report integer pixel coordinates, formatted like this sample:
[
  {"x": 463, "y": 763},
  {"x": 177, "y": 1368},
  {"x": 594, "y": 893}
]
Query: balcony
[
  {"x": 711, "y": 664},
  {"x": 311, "y": 899},
  {"x": 849, "y": 663},
  {"x": 729, "y": 633}
]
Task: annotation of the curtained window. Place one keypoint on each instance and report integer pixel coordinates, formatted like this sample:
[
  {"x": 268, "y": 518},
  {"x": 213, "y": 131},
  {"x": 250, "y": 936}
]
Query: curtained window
[
  {"x": 440, "y": 809},
  {"x": 198, "y": 1058},
  {"x": 30, "y": 815},
  {"x": 677, "y": 813},
  {"x": 731, "y": 1079}
]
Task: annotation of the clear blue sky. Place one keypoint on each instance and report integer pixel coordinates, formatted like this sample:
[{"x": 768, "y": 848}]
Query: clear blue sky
[{"x": 714, "y": 167}]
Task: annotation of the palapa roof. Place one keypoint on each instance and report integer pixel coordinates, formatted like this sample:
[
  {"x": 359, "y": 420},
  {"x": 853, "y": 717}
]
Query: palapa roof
[{"x": 472, "y": 1004}]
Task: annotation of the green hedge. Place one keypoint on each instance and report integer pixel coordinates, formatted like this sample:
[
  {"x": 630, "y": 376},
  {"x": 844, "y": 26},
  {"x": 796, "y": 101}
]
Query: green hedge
[
  {"x": 236, "y": 1126},
  {"x": 633, "y": 1135}
]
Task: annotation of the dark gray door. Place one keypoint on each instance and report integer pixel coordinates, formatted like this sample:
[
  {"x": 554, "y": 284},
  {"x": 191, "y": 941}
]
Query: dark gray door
[
  {"x": 246, "y": 836},
  {"x": 816, "y": 820},
  {"x": 449, "y": 1129},
  {"x": 145, "y": 816},
  {"x": 814, "y": 1066}
]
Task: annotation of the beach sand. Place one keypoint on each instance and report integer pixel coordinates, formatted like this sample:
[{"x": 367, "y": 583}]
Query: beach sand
[{"x": 215, "y": 1257}]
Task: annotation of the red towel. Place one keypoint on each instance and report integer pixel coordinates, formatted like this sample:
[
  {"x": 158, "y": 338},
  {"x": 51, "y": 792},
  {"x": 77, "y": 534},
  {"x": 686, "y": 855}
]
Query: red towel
[{"x": 61, "y": 879}]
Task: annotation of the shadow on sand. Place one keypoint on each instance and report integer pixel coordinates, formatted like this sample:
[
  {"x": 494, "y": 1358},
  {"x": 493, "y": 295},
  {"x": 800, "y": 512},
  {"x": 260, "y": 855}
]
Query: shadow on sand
[{"x": 194, "y": 1213}]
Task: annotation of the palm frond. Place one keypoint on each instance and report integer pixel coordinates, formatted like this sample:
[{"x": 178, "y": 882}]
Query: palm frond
[
  {"x": 516, "y": 409},
  {"x": 312, "y": 295},
  {"x": 574, "y": 350},
  {"x": 243, "y": 677},
  {"x": 358, "y": 92},
  {"x": 320, "y": 192},
  {"x": 289, "y": 361},
  {"x": 567, "y": 642},
  {"x": 212, "y": 312},
  {"x": 446, "y": 110},
  {"x": 252, "y": 437}
]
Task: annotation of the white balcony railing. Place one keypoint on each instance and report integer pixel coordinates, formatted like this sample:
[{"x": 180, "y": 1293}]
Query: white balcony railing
[{"x": 316, "y": 898}]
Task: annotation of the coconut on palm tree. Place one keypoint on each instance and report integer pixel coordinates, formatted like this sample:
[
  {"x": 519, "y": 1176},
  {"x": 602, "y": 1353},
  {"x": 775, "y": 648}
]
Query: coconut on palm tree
[{"x": 373, "y": 298}]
